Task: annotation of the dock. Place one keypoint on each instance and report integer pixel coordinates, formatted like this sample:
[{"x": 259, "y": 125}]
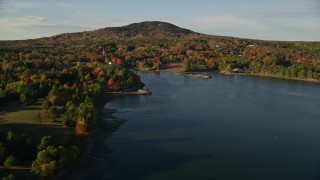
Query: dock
[
  {"x": 143, "y": 91},
  {"x": 203, "y": 76}
]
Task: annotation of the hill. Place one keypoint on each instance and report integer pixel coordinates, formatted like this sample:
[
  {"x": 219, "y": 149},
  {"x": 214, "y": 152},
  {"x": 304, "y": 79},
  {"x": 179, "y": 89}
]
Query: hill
[
  {"x": 171, "y": 44},
  {"x": 149, "y": 29},
  {"x": 152, "y": 28}
]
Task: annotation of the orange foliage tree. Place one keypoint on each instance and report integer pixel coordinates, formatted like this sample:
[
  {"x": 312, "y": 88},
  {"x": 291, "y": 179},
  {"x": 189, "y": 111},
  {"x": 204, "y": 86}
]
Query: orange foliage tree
[{"x": 81, "y": 130}]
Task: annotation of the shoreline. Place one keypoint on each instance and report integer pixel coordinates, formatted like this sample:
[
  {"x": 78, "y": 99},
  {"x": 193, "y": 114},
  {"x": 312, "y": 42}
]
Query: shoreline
[
  {"x": 275, "y": 76},
  {"x": 94, "y": 151},
  {"x": 173, "y": 67},
  {"x": 176, "y": 67}
]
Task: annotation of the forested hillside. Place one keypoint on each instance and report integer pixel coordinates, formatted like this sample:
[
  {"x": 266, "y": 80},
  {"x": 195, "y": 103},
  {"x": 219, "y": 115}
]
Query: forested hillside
[{"x": 141, "y": 42}]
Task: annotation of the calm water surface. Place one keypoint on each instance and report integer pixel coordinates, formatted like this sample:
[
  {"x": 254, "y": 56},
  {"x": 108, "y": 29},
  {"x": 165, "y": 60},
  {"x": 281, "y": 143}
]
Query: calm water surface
[{"x": 227, "y": 127}]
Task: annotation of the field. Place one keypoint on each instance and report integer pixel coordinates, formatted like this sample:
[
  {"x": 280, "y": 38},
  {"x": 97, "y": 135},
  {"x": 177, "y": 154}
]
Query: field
[{"x": 32, "y": 120}]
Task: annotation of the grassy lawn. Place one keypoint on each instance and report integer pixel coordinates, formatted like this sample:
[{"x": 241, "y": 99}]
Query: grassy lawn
[
  {"x": 33, "y": 120},
  {"x": 16, "y": 113}
]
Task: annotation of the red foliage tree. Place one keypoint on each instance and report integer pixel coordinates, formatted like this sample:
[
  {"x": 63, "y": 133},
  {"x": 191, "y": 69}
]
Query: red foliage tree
[
  {"x": 96, "y": 72},
  {"x": 211, "y": 61},
  {"x": 116, "y": 60},
  {"x": 119, "y": 61},
  {"x": 156, "y": 63},
  {"x": 75, "y": 86},
  {"x": 252, "y": 57},
  {"x": 114, "y": 84},
  {"x": 26, "y": 79},
  {"x": 266, "y": 59}
]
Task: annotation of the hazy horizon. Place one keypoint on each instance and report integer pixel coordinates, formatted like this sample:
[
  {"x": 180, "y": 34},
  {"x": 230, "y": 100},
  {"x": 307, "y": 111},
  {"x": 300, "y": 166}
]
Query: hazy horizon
[{"x": 295, "y": 20}]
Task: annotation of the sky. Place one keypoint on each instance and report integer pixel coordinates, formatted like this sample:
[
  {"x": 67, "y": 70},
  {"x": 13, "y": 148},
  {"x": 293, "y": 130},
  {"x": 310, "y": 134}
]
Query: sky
[{"x": 290, "y": 20}]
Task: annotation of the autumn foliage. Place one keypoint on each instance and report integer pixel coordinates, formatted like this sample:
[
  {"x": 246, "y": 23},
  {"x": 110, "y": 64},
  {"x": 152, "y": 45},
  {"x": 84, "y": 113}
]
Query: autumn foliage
[
  {"x": 114, "y": 84},
  {"x": 81, "y": 130},
  {"x": 116, "y": 60},
  {"x": 156, "y": 63},
  {"x": 96, "y": 72}
]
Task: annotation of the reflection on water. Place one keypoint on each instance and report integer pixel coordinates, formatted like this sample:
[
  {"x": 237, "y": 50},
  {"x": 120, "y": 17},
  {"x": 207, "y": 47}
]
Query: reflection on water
[{"x": 227, "y": 127}]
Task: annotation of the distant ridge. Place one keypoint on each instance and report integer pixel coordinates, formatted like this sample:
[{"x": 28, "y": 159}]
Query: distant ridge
[
  {"x": 148, "y": 28},
  {"x": 146, "y": 31}
]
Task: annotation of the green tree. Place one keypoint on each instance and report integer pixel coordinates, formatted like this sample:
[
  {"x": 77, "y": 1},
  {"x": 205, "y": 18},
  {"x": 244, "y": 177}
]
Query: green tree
[
  {"x": 302, "y": 73},
  {"x": 70, "y": 118},
  {"x": 87, "y": 113},
  {"x": 22, "y": 56},
  {"x": 51, "y": 158},
  {"x": 27, "y": 98},
  {"x": 44, "y": 142},
  {"x": 95, "y": 89},
  {"x": 309, "y": 73},
  {"x": 186, "y": 65},
  {"x": 53, "y": 112},
  {"x": 10, "y": 161},
  {"x": 10, "y": 136},
  {"x": 45, "y": 163},
  {"x": 47, "y": 169},
  {"x": 46, "y": 105}
]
